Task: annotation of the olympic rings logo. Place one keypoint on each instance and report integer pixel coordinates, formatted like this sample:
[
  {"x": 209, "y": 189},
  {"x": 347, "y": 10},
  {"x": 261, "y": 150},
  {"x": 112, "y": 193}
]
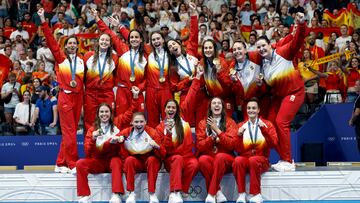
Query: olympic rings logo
[{"x": 194, "y": 191}]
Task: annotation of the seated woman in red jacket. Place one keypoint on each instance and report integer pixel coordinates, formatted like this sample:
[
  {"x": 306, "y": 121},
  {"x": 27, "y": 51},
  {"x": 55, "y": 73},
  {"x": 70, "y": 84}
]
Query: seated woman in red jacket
[
  {"x": 180, "y": 160},
  {"x": 101, "y": 149},
  {"x": 215, "y": 144},
  {"x": 255, "y": 137},
  {"x": 142, "y": 152}
]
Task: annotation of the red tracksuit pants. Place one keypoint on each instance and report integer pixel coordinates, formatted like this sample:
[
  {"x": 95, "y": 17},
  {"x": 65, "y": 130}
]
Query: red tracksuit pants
[
  {"x": 255, "y": 166},
  {"x": 281, "y": 113},
  {"x": 124, "y": 99},
  {"x": 93, "y": 98},
  {"x": 69, "y": 106},
  {"x": 138, "y": 164},
  {"x": 182, "y": 170},
  {"x": 95, "y": 166},
  {"x": 155, "y": 104},
  {"x": 214, "y": 168}
]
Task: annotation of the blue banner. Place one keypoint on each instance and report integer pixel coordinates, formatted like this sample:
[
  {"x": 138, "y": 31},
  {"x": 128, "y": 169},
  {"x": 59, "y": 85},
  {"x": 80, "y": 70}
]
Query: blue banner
[{"x": 32, "y": 150}]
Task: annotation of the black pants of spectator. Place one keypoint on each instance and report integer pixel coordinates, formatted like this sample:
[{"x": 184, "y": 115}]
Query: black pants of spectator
[{"x": 357, "y": 132}]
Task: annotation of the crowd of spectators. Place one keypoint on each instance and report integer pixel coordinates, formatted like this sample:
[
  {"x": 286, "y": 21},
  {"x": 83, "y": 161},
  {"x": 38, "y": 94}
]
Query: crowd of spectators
[{"x": 32, "y": 82}]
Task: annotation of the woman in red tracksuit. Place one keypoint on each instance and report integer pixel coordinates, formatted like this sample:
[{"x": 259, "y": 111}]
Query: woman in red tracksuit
[
  {"x": 287, "y": 88},
  {"x": 101, "y": 149},
  {"x": 130, "y": 73},
  {"x": 143, "y": 151},
  {"x": 244, "y": 78},
  {"x": 99, "y": 83},
  {"x": 180, "y": 160},
  {"x": 214, "y": 67},
  {"x": 255, "y": 137},
  {"x": 69, "y": 69},
  {"x": 215, "y": 136},
  {"x": 157, "y": 80},
  {"x": 183, "y": 61}
]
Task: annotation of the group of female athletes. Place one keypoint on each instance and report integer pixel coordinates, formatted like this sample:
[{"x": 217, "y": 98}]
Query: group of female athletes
[{"x": 134, "y": 132}]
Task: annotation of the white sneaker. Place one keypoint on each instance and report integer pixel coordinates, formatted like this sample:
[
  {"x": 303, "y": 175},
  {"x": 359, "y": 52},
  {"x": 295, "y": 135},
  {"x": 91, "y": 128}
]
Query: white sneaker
[
  {"x": 131, "y": 198},
  {"x": 84, "y": 199},
  {"x": 153, "y": 198},
  {"x": 61, "y": 169},
  {"x": 179, "y": 198},
  {"x": 72, "y": 171},
  {"x": 210, "y": 199},
  {"x": 257, "y": 199},
  {"x": 175, "y": 197},
  {"x": 277, "y": 164},
  {"x": 220, "y": 197},
  {"x": 241, "y": 198},
  {"x": 284, "y": 166},
  {"x": 115, "y": 198}
]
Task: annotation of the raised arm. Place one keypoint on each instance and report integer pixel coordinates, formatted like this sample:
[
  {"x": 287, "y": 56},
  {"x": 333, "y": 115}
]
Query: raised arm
[
  {"x": 192, "y": 46},
  {"x": 50, "y": 40},
  {"x": 119, "y": 46},
  {"x": 289, "y": 50}
]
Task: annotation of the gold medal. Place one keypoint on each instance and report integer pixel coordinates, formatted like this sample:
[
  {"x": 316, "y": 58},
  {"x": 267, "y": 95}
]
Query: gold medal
[
  {"x": 232, "y": 71},
  {"x": 73, "y": 83},
  {"x": 216, "y": 62},
  {"x": 261, "y": 76},
  {"x": 132, "y": 78},
  {"x": 162, "y": 79},
  {"x": 101, "y": 82}
]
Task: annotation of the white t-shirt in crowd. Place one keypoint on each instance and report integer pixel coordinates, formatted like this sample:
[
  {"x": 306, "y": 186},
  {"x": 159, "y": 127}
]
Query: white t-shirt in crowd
[
  {"x": 14, "y": 99},
  {"x": 22, "y": 112}
]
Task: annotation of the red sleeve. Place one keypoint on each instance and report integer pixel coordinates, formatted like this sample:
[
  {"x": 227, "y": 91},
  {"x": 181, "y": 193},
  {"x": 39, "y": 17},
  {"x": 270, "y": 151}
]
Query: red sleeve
[
  {"x": 204, "y": 143},
  {"x": 123, "y": 120},
  {"x": 227, "y": 137},
  {"x": 166, "y": 139},
  {"x": 289, "y": 50},
  {"x": 119, "y": 46},
  {"x": 269, "y": 133},
  {"x": 89, "y": 143},
  {"x": 283, "y": 41},
  {"x": 124, "y": 32},
  {"x": 161, "y": 152},
  {"x": 238, "y": 140},
  {"x": 255, "y": 57},
  {"x": 192, "y": 46},
  {"x": 187, "y": 106},
  {"x": 59, "y": 55},
  {"x": 175, "y": 83}
]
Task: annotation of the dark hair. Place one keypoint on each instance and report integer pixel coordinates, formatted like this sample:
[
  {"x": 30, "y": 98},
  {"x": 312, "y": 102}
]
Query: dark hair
[
  {"x": 66, "y": 41},
  {"x": 264, "y": 37},
  {"x": 241, "y": 42},
  {"x": 141, "y": 46},
  {"x": 178, "y": 124},
  {"x": 254, "y": 99},
  {"x": 108, "y": 52},
  {"x": 97, "y": 119},
  {"x": 172, "y": 57},
  {"x": 222, "y": 124},
  {"x": 206, "y": 60},
  {"x": 139, "y": 113}
]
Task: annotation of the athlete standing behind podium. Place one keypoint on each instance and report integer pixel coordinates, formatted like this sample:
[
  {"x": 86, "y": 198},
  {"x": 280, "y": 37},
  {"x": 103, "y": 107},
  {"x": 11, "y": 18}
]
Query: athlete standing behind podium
[
  {"x": 157, "y": 80},
  {"x": 69, "y": 70},
  {"x": 287, "y": 88},
  {"x": 130, "y": 73},
  {"x": 99, "y": 83}
]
